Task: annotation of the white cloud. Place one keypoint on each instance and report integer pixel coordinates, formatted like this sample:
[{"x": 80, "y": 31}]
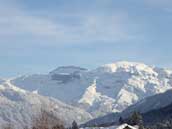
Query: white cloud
[
  {"x": 165, "y": 5},
  {"x": 14, "y": 21},
  {"x": 17, "y": 23}
]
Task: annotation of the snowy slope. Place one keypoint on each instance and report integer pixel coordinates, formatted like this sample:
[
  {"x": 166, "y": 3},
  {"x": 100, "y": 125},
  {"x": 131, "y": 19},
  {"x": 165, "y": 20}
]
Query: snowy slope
[
  {"x": 19, "y": 107},
  {"x": 111, "y": 87},
  {"x": 144, "y": 106},
  {"x": 150, "y": 103},
  {"x": 2, "y": 80}
]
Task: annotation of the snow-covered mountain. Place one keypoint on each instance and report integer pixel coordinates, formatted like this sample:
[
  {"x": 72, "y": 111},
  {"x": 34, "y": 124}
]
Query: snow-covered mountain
[
  {"x": 2, "y": 80},
  {"x": 111, "y": 87},
  {"x": 158, "y": 104},
  {"x": 19, "y": 107},
  {"x": 150, "y": 103}
]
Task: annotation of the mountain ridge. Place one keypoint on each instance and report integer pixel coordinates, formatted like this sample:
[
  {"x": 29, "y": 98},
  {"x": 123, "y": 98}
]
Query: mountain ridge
[
  {"x": 118, "y": 85},
  {"x": 159, "y": 105},
  {"x": 19, "y": 107}
]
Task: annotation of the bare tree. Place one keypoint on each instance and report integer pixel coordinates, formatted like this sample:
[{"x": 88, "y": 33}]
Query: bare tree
[{"x": 47, "y": 121}]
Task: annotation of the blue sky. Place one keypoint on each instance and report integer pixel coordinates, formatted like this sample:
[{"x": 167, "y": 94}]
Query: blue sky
[{"x": 37, "y": 36}]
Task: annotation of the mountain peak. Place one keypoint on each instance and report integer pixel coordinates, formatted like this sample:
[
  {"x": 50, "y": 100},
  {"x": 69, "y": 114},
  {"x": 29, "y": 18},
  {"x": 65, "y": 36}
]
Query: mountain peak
[
  {"x": 127, "y": 67},
  {"x": 126, "y": 64}
]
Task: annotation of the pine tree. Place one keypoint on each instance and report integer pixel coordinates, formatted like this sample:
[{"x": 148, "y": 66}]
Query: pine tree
[
  {"x": 121, "y": 121},
  {"x": 75, "y": 125},
  {"x": 136, "y": 119}
]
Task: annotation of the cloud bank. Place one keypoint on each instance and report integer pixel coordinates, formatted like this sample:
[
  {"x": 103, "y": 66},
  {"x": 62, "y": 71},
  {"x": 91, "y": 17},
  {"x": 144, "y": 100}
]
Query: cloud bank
[{"x": 17, "y": 23}]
